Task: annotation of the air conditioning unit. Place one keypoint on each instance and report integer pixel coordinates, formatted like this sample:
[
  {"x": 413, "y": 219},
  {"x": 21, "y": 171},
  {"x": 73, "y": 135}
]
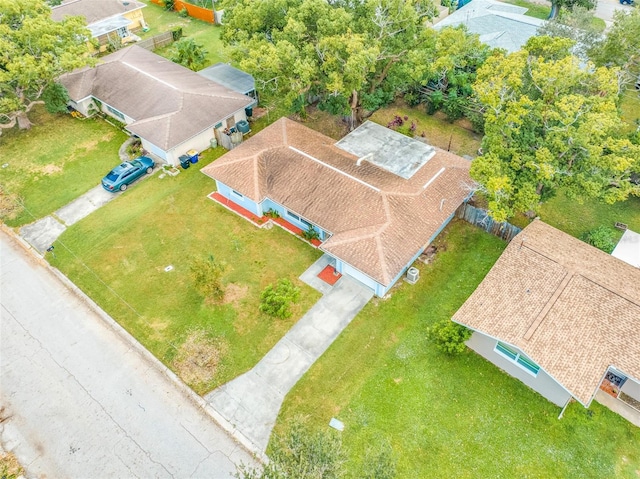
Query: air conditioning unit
[{"x": 413, "y": 274}]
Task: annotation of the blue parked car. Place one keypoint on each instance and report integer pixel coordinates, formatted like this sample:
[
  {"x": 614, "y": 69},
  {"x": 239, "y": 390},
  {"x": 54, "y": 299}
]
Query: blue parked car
[
  {"x": 126, "y": 173},
  {"x": 628, "y": 2}
]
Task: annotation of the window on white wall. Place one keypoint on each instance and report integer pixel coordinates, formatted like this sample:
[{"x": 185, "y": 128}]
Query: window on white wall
[
  {"x": 518, "y": 358},
  {"x": 293, "y": 215},
  {"x": 237, "y": 195}
]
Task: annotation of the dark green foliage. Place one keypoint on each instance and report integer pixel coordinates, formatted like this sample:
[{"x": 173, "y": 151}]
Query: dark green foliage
[
  {"x": 276, "y": 300},
  {"x": 176, "y": 33},
  {"x": 206, "y": 274},
  {"x": 449, "y": 337},
  {"x": 302, "y": 454},
  {"x": 602, "y": 237},
  {"x": 310, "y": 234},
  {"x": 169, "y": 5},
  {"x": 55, "y": 98},
  {"x": 189, "y": 54}
]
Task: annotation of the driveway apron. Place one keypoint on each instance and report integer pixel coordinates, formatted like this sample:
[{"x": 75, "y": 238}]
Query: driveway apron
[{"x": 252, "y": 401}]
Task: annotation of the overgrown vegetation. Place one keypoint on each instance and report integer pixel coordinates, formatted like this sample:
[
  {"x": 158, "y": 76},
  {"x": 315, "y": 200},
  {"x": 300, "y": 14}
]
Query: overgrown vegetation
[
  {"x": 276, "y": 300},
  {"x": 207, "y": 277},
  {"x": 602, "y": 237}
]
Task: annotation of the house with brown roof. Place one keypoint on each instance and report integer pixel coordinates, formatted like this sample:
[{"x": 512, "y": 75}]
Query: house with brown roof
[
  {"x": 561, "y": 316},
  {"x": 375, "y": 199},
  {"x": 171, "y": 108},
  {"x": 108, "y": 20}
]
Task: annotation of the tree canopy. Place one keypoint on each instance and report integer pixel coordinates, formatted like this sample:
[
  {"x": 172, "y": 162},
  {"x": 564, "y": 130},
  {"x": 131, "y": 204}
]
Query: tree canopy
[
  {"x": 621, "y": 45},
  {"x": 549, "y": 123},
  {"x": 350, "y": 56},
  {"x": 34, "y": 51},
  {"x": 557, "y": 5}
]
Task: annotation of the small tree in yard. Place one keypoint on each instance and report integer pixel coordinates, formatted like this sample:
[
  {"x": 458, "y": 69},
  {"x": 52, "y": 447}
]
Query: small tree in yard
[
  {"x": 449, "y": 337},
  {"x": 275, "y": 301},
  {"x": 207, "y": 277}
]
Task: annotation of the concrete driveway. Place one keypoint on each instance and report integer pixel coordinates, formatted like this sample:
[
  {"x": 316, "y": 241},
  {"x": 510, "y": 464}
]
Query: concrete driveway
[
  {"x": 82, "y": 399},
  {"x": 252, "y": 401},
  {"x": 606, "y": 8}
]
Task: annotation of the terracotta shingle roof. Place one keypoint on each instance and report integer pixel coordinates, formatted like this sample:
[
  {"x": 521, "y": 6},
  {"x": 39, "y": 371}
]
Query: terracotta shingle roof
[
  {"x": 377, "y": 219},
  {"x": 571, "y": 308},
  {"x": 169, "y": 102}
]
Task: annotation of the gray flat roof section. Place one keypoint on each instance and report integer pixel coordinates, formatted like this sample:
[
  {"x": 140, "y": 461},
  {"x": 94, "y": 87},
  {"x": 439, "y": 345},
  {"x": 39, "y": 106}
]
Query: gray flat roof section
[
  {"x": 230, "y": 77},
  {"x": 387, "y": 149},
  {"x": 109, "y": 25},
  {"x": 628, "y": 248}
]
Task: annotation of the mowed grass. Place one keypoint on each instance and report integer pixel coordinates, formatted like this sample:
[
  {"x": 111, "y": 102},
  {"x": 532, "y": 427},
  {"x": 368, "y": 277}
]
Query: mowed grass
[
  {"x": 56, "y": 161},
  {"x": 118, "y": 255},
  {"x": 160, "y": 20},
  {"x": 450, "y": 416},
  {"x": 437, "y": 131},
  {"x": 533, "y": 9},
  {"x": 630, "y": 108}
]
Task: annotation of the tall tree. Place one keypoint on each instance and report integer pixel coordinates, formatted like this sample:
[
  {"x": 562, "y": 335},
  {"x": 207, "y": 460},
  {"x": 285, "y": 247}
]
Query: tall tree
[
  {"x": 189, "y": 54},
  {"x": 557, "y": 5},
  {"x": 34, "y": 51},
  {"x": 550, "y": 123},
  {"x": 577, "y": 25},
  {"x": 621, "y": 46},
  {"x": 351, "y": 55}
]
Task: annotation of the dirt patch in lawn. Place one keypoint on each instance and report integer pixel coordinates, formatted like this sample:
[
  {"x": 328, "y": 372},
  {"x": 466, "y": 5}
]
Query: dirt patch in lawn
[
  {"x": 234, "y": 293},
  {"x": 50, "y": 169},
  {"x": 198, "y": 358},
  {"x": 10, "y": 205}
]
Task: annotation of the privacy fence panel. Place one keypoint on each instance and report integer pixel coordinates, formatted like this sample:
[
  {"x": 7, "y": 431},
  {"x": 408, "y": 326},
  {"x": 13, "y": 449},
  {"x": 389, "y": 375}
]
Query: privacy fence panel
[{"x": 481, "y": 219}]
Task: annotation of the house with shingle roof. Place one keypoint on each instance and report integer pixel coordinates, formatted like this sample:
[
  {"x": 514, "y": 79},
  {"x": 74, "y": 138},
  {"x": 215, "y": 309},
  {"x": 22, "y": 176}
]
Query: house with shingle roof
[
  {"x": 561, "y": 316},
  {"x": 498, "y": 24},
  {"x": 375, "y": 199},
  {"x": 171, "y": 108},
  {"x": 106, "y": 19}
]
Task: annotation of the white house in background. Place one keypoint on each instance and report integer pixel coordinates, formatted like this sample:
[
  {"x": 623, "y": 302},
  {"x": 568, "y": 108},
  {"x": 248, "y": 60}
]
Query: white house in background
[
  {"x": 171, "y": 108},
  {"x": 499, "y": 25},
  {"x": 563, "y": 317},
  {"x": 106, "y": 19},
  {"x": 628, "y": 248}
]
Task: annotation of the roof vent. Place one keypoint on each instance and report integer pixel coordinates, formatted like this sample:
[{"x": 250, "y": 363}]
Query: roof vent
[
  {"x": 363, "y": 158},
  {"x": 413, "y": 275}
]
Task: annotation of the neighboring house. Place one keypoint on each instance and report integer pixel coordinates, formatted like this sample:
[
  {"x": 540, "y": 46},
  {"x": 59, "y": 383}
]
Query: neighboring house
[
  {"x": 171, "y": 108},
  {"x": 498, "y": 24},
  {"x": 561, "y": 316},
  {"x": 231, "y": 77},
  {"x": 376, "y": 198},
  {"x": 108, "y": 20},
  {"x": 628, "y": 248}
]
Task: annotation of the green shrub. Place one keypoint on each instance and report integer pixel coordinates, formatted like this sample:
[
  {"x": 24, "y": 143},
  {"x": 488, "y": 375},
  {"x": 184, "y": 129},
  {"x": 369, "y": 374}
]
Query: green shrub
[
  {"x": 176, "y": 33},
  {"x": 184, "y": 13},
  {"x": 169, "y": 5},
  {"x": 276, "y": 300},
  {"x": 310, "y": 234},
  {"x": 449, "y": 337},
  {"x": 207, "y": 277},
  {"x": 602, "y": 237}
]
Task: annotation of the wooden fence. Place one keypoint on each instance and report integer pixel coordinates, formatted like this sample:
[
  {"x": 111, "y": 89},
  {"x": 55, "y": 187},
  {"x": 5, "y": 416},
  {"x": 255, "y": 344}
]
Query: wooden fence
[
  {"x": 157, "y": 41},
  {"x": 204, "y": 14},
  {"x": 481, "y": 219}
]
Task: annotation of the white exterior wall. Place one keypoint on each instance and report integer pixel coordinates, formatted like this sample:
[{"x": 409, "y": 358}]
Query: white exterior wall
[
  {"x": 156, "y": 150},
  {"x": 631, "y": 388},
  {"x": 542, "y": 383},
  {"x": 344, "y": 268}
]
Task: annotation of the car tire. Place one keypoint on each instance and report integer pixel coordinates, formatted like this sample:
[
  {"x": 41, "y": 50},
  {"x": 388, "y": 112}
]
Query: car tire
[
  {"x": 123, "y": 187},
  {"x": 149, "y": 170}
]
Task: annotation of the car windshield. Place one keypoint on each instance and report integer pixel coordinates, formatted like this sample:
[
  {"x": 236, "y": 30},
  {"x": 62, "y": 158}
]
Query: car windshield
[{"x": 112, "y": 176}]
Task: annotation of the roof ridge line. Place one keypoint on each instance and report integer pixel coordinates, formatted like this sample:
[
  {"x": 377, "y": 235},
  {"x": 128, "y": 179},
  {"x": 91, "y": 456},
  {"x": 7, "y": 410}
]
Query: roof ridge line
[{"x": 568, "y": 276}]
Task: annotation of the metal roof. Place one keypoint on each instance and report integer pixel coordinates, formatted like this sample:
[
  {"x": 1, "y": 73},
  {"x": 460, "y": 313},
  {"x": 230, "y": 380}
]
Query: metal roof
[{"x": 230, "y": 77}]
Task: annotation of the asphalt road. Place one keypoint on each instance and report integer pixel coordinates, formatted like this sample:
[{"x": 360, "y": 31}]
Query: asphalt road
[{"x": 79, "y": 401}]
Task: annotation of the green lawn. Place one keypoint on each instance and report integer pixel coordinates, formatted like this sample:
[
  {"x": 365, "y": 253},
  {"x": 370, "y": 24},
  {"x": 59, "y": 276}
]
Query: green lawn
[
  {"x": 117, "y": 256},
  {"x": 438, "y": 132},
  {"x": 450, "y": 417},
  {"x": 575, "y": 218},
  {"x": 534, "y": 9},
  {"x": 206, "y": 34},
  {"x": 56, "y": 161}
]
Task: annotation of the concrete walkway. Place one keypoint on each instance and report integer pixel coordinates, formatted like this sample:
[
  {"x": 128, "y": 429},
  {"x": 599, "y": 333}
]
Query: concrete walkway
[
  {"x": 252, "y": 401},
  {"x": 42, "y": 233}
]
